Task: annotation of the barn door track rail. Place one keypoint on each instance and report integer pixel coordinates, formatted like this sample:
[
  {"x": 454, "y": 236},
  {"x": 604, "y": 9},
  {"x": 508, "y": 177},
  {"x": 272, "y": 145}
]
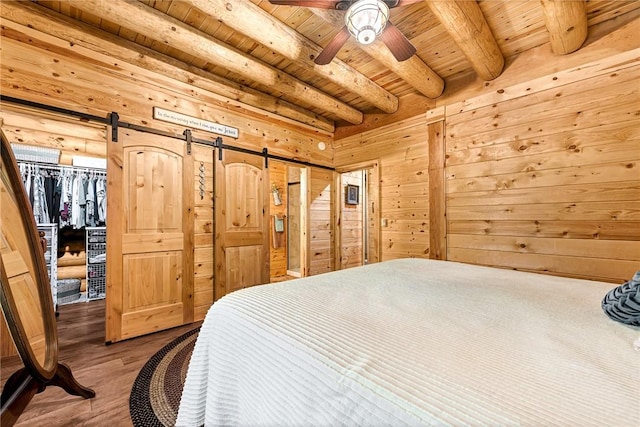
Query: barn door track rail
[{"x": 113, "y": 120}]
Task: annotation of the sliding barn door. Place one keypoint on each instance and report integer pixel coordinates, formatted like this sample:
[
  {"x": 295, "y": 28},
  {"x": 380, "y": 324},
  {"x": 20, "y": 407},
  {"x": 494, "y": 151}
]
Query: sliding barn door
[
  {"x": 242, "y": 226},
  {"x": 149, "y": 235}
]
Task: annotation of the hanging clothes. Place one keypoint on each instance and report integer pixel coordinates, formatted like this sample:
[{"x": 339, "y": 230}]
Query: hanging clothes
[
  {"x": 27, "y": 181},
  {"x": 54, "y": 212},
  {"x": 40, "y": 210},
  {"x": 68, "y": 196},
  {"x": 75, "y": 200},
  {"x": 65, "y": 195},
  {"x": 90, "y": 198},
  {"x": 95, "y": 201},
  {"x": 82, "y": 201},
  {"x": 101, "y": 192},
  {"x": 48, "y": 192}
]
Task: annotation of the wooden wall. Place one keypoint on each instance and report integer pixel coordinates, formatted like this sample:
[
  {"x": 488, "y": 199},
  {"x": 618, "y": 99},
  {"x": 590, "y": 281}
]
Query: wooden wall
[
  {"x": 39, "y": 128},
  {"x": 541, "y": 166},
  {"x": 203, "y": 167},
  {"x": 403, "y": 152},
  {"x": 320, "y": 256},
  {"x": 278, "y": 256},
  {"x": 351, "y": 223},
  {"x": 549, "y": 180}
]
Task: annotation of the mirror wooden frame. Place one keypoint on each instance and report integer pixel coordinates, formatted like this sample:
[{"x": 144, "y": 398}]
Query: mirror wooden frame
[{"x": 20, "y": 388}]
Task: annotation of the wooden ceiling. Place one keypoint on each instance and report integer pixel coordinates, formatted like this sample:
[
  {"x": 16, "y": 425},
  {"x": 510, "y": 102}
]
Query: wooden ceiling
[{"x": 266, "y": 52}]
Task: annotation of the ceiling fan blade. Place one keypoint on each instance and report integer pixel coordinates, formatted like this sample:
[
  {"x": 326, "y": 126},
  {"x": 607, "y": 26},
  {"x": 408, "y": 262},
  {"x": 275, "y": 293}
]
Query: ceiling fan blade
[
  {"x": 398, "y": 44},
  {"x": 333, "y": 47},
  {"x": 407, "y": 2},
  {"x": 320, "y": 4}
]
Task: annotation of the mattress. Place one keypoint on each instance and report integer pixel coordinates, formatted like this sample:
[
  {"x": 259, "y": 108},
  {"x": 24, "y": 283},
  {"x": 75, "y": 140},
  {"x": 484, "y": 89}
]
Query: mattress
[{"x": 414, "y": 342}]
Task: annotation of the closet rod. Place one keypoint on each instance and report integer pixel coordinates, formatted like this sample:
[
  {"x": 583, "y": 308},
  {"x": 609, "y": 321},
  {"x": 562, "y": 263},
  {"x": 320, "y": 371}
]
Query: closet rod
[
  {"x": 107, "y": 121},
  {"x": 59, "y": 168}
]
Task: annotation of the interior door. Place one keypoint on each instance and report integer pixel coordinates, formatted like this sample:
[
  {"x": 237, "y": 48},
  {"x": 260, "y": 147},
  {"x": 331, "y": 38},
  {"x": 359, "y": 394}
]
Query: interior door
[
  {"x": 242, "y": 226},
  {"x": 149, "y": 235}
]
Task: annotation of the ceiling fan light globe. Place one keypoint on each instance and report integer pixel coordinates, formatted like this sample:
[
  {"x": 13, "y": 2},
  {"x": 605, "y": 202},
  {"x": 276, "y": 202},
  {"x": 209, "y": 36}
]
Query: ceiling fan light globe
[
  {"x": 366, "y": 36},
  {"x": 366, "y": 19}
]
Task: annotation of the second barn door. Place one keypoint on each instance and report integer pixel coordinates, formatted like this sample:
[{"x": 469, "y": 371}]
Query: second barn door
[{"x": 241, "y": 225}]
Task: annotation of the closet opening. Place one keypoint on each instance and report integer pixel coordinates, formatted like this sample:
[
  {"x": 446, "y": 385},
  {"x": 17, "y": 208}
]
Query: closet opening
[
  {"x": 69, "y": 208},
  {"x": 53, "y": 152}
]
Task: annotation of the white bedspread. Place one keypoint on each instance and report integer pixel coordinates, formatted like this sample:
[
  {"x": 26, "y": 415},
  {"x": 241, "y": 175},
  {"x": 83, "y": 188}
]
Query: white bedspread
[{"x": 414, "y": 342}]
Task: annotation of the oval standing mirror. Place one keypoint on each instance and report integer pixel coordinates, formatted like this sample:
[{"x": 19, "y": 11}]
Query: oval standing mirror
[{"x": 25, "y": 297}]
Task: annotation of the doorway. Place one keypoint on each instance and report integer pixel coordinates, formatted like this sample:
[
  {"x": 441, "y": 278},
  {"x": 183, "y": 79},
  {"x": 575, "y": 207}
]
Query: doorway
[{"x": 358, "y": 230}]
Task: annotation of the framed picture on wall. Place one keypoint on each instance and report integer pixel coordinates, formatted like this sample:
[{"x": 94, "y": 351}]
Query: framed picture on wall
[{"x": 352, "y": 194}]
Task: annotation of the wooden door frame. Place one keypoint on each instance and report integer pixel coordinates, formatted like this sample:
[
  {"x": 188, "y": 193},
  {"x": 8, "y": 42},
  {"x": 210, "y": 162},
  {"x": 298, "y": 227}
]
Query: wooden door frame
[
  {"x": 373, "y": 197},
  {"x": 305, "y": 223},
  {"x": 437, "y": 196}
]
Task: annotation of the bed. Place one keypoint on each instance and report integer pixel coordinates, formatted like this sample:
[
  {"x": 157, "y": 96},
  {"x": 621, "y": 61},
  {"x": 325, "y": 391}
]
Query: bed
[{"x": 414, "y": 342}]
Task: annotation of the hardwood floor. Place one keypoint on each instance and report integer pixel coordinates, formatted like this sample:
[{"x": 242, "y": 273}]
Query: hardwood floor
[
  {"x": 109, "y": 370},
  {"x": 282, "y": 279}
]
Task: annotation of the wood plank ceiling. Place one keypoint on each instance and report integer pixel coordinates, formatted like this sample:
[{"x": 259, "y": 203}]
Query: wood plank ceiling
[{"x": 264, "y": 53}]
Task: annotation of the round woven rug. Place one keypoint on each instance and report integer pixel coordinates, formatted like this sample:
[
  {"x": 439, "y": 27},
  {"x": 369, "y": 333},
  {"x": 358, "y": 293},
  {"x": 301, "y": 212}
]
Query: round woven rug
[{"x": 155, "y": 396}]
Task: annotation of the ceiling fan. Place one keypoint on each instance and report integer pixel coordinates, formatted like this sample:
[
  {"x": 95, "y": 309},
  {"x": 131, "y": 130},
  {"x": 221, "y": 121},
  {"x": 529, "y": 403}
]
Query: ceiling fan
[{"x": 365, "y": 20}]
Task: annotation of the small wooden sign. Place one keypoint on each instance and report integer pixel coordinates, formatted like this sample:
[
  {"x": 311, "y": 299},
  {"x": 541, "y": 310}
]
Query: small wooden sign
[{"x": 193, "y": 122}]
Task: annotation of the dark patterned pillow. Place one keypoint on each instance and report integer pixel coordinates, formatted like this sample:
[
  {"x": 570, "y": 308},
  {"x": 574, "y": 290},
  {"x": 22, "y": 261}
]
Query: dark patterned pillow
[{"x": 623, "y": 303}]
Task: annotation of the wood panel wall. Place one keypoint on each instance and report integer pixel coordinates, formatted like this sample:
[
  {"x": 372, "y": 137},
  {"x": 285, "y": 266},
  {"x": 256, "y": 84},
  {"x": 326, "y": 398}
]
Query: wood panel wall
[
  {"x": 203, "y": 168},
  {"x": 40, "y": 128},
  {"x": 402, "y": 150},
  {"x": 42, "y": 68},
  {"x": 320, "y": 255},
  {"x": 549, "y": 181},
  {"x": 539, "y": 169},
  {"x": 351, "y": 223}
]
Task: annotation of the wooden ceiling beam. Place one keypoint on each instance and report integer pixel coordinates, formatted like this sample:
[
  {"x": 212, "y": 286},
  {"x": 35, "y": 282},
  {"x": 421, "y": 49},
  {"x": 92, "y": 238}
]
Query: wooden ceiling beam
[
  {"x": 76, "y": 33},
  {"x": 159, "y": 26},
  {"x": 250, "y": 20},
  {"x": 566, "y": 22},
  {"x": 413, "y": 71},
  {"x": 466, "y": 24}
]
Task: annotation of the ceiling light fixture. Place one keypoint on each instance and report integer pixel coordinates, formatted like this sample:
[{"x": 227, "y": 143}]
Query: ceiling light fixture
[{"x": 365, "y": 20}]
